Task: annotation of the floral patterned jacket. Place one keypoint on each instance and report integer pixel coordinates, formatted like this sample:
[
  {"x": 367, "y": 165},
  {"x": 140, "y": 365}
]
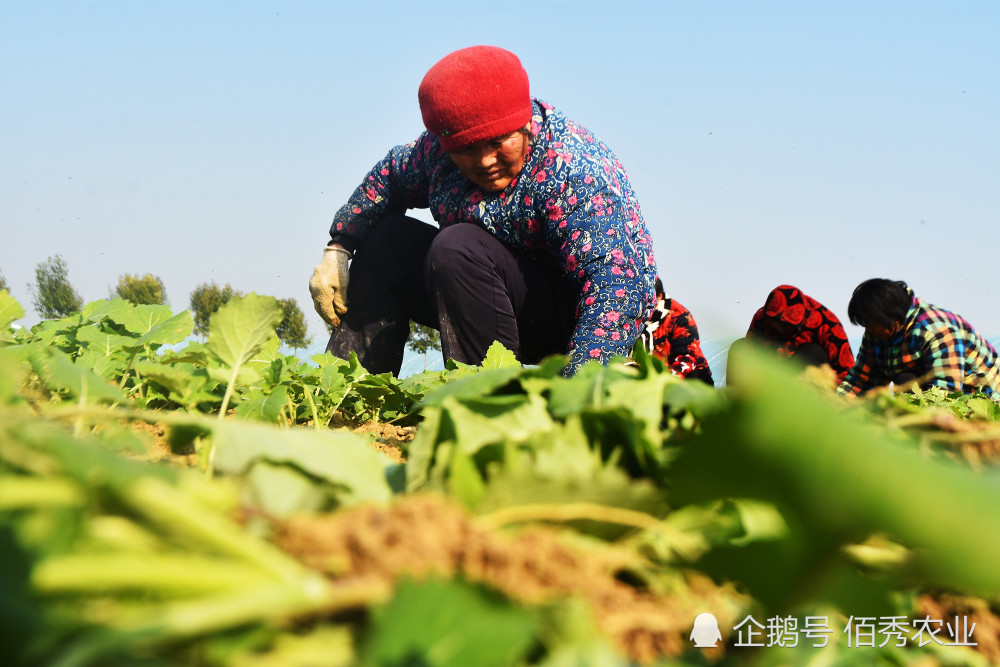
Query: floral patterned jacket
[{"x": 572, "y": 206}]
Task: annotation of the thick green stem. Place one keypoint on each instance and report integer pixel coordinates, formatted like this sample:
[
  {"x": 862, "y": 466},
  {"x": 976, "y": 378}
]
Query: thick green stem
[
  {"x": 570, "y": 512},
  {"x": 180, "y": 621},
  {"x": 312, "y": 406},
  {"x": 230, "y": 388},
  {"x": 173, "y": 575},
  {"x": 175, "y": 511},
  {"x": 78, "y": 423},
  {"x": 17, "y": 492},
  {"x": 128, "y": 367},
  {"x": 598, "y": 385},
  {"x": 309, "y": 595}
]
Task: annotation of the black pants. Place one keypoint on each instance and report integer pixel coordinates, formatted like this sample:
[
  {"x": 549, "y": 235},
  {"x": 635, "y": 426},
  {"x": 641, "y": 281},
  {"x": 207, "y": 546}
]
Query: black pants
[{"x": 461, "y": 281}]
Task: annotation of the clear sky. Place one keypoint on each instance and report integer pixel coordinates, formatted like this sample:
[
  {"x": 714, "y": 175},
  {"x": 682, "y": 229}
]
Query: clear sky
[{"x": 817, "y": 143}]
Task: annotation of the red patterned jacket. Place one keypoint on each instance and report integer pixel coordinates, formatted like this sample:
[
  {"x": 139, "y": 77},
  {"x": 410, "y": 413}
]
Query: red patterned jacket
[
  {"x": 671, "y": 334},
  {"x": 790, "y": 319}
]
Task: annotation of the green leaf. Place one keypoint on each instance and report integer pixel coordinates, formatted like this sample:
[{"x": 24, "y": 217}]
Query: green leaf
[
  {"x": 459, "y": 625},
  {"x": 574, "y": 394},
  {"x": 643, "y": 398},
  {"x": 333, "y": 388},
  {"x": 192, "y": 353},
  {"x": 497, "y": 356},
  {"x": 269, "y": 351},
  {"x": 40, "y": 447},
  {"x": 343, "y": 459},
  {"x": 272, "y": 372},
  {"x": 170, "y": 331},
  {"x": 106, "y": 344},
  {"x": 104, "y": 353},
  {"x": 182, "y": 436},
  {"x": 464, "y": 479},
  {"x": 13, "y": 371},
  {"x": 183, "y": 381},
  {"x": 237, "y": 331},
  {"x": 58, "y": 372},
  {"x": 479, "y": 384},
  {"x": 21, "y": 613},
  {"x": 327, "y": 645},
  {"x": 836, "y": 479},
  {"x": 332, "y": 380},
  {"x": 420, "y": 453},
  {"x": 381, "y": 396},
  {"x": 264, "y": 407},
  {"x": 243, "y": 376},
  {"x": 108, "y": 367},
  {"x": 143, "y": 318},
  {"x": 113, "y": 309},
  {"x": 984, "y": 408},
  {"x": 241, "y": 327},
  {"x": 10, "y": 311},
  {"x": 281, "y": 490},
  {"x": 496, "y": 419}
]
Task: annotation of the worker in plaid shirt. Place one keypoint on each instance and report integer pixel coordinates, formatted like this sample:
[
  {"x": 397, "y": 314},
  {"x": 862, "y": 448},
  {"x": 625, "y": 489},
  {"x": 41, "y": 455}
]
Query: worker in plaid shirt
[{"x": 907, "y": 340}]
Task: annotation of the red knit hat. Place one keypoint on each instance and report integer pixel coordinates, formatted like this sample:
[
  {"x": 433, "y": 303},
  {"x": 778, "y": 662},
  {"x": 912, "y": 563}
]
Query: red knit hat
[{"x": 474, "y": 94}]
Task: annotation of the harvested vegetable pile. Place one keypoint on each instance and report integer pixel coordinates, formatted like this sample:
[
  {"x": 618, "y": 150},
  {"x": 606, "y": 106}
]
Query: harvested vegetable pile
[
  {"x": 426, "y": 536},
  {"x": 216, "y": 503}
]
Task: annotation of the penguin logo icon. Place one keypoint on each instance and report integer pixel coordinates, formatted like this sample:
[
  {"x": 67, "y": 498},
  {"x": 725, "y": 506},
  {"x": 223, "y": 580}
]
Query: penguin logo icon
[{"x": 705, "y": 632}]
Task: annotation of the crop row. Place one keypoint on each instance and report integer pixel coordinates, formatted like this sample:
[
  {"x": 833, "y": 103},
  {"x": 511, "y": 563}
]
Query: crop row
[{"x": 535, "y": 519}]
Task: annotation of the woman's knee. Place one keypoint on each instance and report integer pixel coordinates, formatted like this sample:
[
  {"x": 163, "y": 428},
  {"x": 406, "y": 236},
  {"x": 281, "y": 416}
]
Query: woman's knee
[
  {"x": 459, "y": 248},
  {"x": 399, "y": 231}
]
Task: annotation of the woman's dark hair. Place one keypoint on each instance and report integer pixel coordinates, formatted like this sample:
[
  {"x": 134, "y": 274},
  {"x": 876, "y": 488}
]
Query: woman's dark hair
[
  {"x": 659, "y": 286},
  {"x": 879, "y": 301}
]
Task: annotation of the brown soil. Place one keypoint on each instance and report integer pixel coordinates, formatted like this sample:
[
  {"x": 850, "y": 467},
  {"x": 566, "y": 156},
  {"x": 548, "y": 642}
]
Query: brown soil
[
  {"x": 388, "y": 438},
  {"x": 160, "y": 449},
  {"x": 945, "y": 607},
  {"x": 425, "y": 535}
]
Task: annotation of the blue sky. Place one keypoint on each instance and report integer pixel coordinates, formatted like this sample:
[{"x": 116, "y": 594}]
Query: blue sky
[{"x": 813, "y": 143}]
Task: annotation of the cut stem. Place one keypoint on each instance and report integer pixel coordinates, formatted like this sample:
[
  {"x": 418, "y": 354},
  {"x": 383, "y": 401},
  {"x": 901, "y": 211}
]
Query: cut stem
[{"x": 564, "y": 512}]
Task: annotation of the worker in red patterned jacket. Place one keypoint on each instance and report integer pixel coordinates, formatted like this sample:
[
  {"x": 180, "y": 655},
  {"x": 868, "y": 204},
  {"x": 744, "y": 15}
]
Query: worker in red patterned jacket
[
  {"x": 540, "y": 242},
  {"x": 671, "y": 334},
  {"x": 797, "y": 326}
]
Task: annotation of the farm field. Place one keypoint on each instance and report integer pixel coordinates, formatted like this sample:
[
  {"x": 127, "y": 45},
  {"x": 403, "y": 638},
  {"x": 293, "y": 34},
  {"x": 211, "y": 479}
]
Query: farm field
[{"x": 165, "y": 501}]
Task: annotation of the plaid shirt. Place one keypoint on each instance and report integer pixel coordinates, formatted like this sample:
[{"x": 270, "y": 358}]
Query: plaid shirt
[{"x": 937, "y": 346}]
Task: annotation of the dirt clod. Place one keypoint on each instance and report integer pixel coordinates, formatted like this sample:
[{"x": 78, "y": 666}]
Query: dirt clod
[
  {"x": 947, "y": 607},
  {"x": 425, "y": 535}
]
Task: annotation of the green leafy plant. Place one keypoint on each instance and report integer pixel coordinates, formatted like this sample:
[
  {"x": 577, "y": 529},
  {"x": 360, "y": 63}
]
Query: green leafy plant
[{"x": 777, "y": 499}]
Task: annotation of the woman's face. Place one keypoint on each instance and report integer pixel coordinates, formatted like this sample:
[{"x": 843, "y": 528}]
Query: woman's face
[
  {"x": 883, "y": 331},
  {"x": 494, "y": 163},
  {"x": 780, "y": 331},
  {"x": 784, "y": 330}
]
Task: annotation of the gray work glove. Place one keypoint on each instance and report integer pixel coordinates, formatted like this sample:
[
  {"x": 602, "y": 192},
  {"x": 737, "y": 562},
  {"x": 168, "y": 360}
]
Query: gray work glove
[{"x": 328, "y": 285}]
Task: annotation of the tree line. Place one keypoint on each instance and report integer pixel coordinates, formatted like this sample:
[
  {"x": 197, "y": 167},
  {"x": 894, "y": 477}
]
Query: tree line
[{"x": 54, "y": 297}]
